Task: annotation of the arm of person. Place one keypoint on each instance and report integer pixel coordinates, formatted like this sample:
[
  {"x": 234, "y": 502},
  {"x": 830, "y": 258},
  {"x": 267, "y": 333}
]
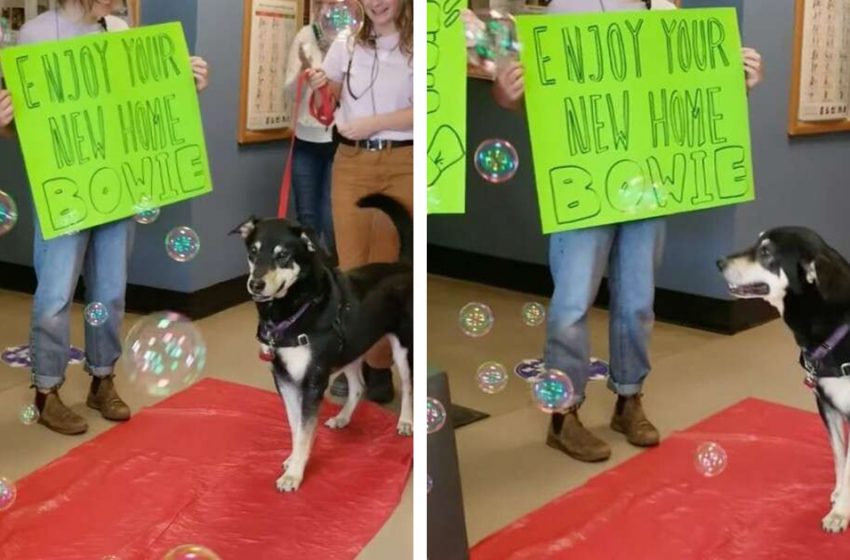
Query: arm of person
[
  {"x": 509, "y": 86},
  {"x": 366, "y": 127},
  {"x": 295, "y": 63},
  {"x": 753, "y": 69}
]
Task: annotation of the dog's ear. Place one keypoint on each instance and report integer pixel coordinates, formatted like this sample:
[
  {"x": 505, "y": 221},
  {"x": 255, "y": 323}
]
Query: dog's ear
[
  {"x": 246, "y": 228},
  {"x": 831, "y": 276}
]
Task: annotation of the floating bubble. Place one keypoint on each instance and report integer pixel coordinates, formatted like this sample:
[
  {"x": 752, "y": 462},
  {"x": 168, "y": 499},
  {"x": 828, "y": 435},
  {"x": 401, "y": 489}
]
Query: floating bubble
[
  {"x": 436, "y": 414},
  {"x": 492, "y": 377},
  {"x": 430, "y": 483},
  {"x": 146, "y": 217},
  {"x": 164, "y": 353},
  {"x": 475, "y": 319},
  {"x": 29, "y": 415},
  {"x": 710, "y": 459},
  {"x": 191, "y": 552},
  {"x": 552, "y": 391},
  {"x": 343, "y": 17},
  {"x": 495, "y": 38},
  {"x": 496, "y": 160},
  {"x": 8, "y": 493},
  {"x": 533, "y": 314},
  {"x": 96, "y": 314},
  {"x": 8, "y": 213},
  {"x": 182, "y": 244}
]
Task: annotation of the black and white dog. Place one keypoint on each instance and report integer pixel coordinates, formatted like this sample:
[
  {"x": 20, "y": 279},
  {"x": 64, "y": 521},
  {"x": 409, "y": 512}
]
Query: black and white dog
[
  {"x": 318, "y": 321},
  {"x": 809, "y": 283}
]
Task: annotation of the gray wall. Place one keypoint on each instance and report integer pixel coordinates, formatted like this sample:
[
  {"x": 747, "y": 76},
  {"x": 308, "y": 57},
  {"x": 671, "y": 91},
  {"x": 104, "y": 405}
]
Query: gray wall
[
  {"x": 502, "y": 220},
  {"x": 245, "y": 180}
]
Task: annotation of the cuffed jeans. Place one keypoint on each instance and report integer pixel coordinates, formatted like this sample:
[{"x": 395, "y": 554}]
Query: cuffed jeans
[
  {"x": 577, "y": 262},
  {"x": 101, "y": 254}
]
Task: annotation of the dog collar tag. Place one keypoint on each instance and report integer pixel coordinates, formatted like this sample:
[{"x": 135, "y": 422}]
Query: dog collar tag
[
  {"x": 266, "y": 355},
  {"x": 810, "y": 382},
  {"x": 303, "y": 340}
]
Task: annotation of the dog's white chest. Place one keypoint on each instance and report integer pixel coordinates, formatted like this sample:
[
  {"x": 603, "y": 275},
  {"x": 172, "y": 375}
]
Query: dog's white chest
[
  {"x": 296, "y": 360},
  {"x": 837, "y": 389}
]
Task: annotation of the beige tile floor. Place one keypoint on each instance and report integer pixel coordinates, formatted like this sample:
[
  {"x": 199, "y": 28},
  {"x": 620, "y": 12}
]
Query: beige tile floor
[
  {"x": 508, "y": 471},
  {"x": 232, "y": 352}
]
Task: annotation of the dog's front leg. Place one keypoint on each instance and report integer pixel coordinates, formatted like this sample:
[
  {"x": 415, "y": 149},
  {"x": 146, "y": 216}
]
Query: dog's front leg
[
  {"x": 834, "y": 422},
  {"x": 354, "y": 374},
  {"x": 837, "y": 519},
  {"x": 303, "y": 432}
]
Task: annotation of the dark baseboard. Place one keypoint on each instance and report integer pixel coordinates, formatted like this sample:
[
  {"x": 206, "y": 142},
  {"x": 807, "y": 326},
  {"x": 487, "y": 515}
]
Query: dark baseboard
[
  {"x": 705, "y": 313},
  {"x": 144, "y": 299}
]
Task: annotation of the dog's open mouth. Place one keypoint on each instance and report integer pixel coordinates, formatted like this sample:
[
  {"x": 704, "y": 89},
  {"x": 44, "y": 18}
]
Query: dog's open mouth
[{"x": 756, "y": 289}]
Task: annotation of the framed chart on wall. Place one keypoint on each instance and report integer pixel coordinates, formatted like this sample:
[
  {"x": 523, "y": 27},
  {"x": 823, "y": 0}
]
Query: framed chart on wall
[
  {"x": 268, "y": 29},
  {"x": 820, "y": 71}
]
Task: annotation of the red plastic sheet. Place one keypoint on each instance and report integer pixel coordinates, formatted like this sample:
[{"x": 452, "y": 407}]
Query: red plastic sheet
[
  {"x": 200, "y": 468},
  {"x": 768, "y": 503}
]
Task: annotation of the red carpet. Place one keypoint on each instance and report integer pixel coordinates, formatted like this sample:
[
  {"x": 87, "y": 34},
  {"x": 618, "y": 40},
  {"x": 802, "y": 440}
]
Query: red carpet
[
  {"x": 767, "y": 504},
  {"x": 200, "y": 468}
]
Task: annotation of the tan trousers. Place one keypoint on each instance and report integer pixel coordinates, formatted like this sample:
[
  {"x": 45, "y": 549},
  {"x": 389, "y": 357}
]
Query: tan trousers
[{"x": 365, "y": 235}]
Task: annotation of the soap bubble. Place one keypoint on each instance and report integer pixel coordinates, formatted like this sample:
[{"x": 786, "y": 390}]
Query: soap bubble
[
  {"x": 475, "y": 319},
  {"x": 8, "y": 213},
  {"x": 165, "y": 352},
  {"x": 492, "y": 377},
  {"x": 496, "y": 160},
  {"x": 552, "y": 391},
  {"x": 710, "y": 459},
  {"x": 182, "y": 244},
  {"x": 344, "y": 17},
  {"x": 146, "y": 217},
  {"x": 436, "y": 415},
  {"x": 191, "y": 552},
  {"x": 96, "y": 314},
  {"x": 533, "y": 314},
  {"x": 29, "y": 415},
  {"x": 8, "y": 493}
]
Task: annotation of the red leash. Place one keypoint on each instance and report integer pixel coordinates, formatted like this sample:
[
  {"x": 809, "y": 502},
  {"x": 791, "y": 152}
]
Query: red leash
[{"x": 322, "y": 109}]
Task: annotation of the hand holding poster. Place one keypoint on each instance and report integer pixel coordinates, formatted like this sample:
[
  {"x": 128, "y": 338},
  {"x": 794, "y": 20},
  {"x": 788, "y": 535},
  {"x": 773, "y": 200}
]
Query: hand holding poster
[
  {"x": 446, "y": 101},
  {"x": 635, "y": 115},
  {"x": 109, "y": 125}
]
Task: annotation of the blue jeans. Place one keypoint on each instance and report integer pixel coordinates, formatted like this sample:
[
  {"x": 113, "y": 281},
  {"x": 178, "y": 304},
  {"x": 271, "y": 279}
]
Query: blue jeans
[
  {"x": 577, "y": 262},
  {"x": 311, "y": 183},
  {"x": 101, "y": 254}
]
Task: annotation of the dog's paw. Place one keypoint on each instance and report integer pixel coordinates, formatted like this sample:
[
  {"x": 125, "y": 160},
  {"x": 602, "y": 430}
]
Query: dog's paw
[
  {"x": 404, "y": 428},
  {"x": 835, "y": 522},
  {"x": 285, "y": 464},
  {"x": 337, "y": 422},
  {"x": 288, "y": 483}
]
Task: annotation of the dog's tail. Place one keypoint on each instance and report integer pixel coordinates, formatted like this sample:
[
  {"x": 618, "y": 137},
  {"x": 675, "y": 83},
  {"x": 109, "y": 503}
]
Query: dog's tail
[{"x": 400, "y": 217}]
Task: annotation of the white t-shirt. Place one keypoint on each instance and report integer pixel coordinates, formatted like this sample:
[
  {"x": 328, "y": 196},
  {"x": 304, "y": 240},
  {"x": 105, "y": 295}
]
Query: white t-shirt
[
  {"x": 307, "y": 127},
  {"x": 566, "y": 6},
  {"x": 381, "y": 81},
  {"x": 63, "y": 24}
]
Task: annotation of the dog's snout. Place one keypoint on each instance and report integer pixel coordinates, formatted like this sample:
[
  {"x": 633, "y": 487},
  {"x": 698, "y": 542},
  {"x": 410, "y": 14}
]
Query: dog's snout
[
  {"x": 721, "y": 264},
  {"x": 256, "y": 286}
]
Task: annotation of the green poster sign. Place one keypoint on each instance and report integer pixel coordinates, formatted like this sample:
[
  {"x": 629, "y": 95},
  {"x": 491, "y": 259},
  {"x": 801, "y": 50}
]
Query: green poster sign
[
  {"x": 446, "y": 101},
  {"x": 109, "y": 125},
  {"x": 635, "y": 115}
]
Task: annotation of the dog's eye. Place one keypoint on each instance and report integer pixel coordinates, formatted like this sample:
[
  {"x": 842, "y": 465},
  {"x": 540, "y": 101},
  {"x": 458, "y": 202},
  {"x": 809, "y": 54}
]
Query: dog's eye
[
  {"x": 252, "y": 253},
  {"x": 283, "y": 257},
  {"x": 764, "y": 251}
]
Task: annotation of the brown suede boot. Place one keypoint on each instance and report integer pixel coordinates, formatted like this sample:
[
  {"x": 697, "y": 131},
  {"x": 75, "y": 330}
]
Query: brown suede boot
[
  {"x": 56, "y": 416},
  {"x": 629, "y": 419},
  {"x": 568, "y": 434},
  {"x": 104, "y": 397}
]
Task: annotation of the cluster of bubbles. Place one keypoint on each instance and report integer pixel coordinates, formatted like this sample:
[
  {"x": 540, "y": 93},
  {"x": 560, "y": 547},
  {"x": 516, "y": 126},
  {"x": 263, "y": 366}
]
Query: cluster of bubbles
[
  {"x": 340, "y": 18},
  {"x": 710, "y": 459},
  {"x": 164, "y": 352}
]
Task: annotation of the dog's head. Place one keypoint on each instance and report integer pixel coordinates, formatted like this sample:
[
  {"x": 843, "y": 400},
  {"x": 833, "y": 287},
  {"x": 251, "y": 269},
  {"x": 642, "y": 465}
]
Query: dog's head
[
  {"x": 280, "y": 253},
  {"x": 788, "y": 260}
]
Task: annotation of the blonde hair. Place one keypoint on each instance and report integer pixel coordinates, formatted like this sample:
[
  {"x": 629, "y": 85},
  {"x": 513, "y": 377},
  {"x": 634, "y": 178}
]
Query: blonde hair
[{"x": 404, "y": 23}]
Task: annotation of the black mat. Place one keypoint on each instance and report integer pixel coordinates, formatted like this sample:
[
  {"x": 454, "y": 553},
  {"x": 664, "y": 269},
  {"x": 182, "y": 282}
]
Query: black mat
[{"x": 462, "y": 416}]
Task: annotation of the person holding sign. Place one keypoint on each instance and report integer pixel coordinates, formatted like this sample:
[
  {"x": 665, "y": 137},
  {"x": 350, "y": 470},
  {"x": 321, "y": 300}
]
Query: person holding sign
[
  {"x": 577, "y": 260},
  {"x": 313, "y": 154},
  {"x": 100, "y": 253},
  {"x": 372, "y": 76}
]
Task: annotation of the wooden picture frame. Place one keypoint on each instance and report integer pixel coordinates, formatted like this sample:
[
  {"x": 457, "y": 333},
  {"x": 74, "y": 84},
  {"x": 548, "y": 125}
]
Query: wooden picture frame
[
  {"x": 479, "y": 73},
  {"x": 135, "y": 10},
  {"x": 796, "y": 126},
  {"x": 244, "y": 134}
]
